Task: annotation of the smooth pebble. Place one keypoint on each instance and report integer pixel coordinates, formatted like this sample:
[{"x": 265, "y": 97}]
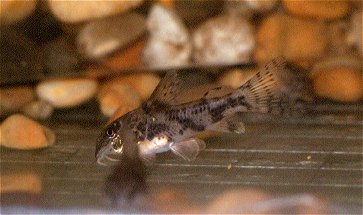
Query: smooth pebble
[
  {"x": 339, "y": 79},
  {"x": 102, "y": 37},
  {"x": 15, "y": 10},
  {"x": 80, "y": 11},
  {"x": 67, "y": 92},
  {"x": 325, "y": 10},
  {"x": 291, "y": 37},
  {"x": 20, "y": 132}
]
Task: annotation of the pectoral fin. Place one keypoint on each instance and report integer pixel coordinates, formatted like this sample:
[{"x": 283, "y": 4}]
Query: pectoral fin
[
  {"x": 188, "y": 149},
  {"x": 229, "y": 125}
]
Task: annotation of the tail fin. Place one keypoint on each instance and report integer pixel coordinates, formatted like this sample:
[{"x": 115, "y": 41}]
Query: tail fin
[{"x": 278, "y": 89}]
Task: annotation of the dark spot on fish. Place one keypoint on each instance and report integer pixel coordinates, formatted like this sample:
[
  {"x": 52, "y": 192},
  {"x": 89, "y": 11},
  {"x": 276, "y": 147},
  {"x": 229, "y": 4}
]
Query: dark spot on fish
[
  {"x": 141, "y": 126},
  {"x": 181, "y": 132},
  {"x": 189, "y": 123},
  {"x": 172, "y": 115},
  {"x": 146, "y": 107},
  {"x": 232, "y": 102},
  {"x": 155, "y": 129},
  {"x": 217, "y": 112}
]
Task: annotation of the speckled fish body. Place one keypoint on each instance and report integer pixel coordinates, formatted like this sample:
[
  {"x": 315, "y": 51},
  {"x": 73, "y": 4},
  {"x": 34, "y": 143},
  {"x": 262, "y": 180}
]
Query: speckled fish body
[{"x": 161, "y": 124}]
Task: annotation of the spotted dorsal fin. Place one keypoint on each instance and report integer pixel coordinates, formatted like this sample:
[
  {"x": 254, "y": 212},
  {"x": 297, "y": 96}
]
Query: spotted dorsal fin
[
  {"x": 167, "y": 90},
  {"x": 217, "y": 91}
]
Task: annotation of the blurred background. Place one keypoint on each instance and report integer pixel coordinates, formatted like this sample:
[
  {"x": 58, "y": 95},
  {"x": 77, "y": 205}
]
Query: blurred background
[{"x": 69, "y": 67}]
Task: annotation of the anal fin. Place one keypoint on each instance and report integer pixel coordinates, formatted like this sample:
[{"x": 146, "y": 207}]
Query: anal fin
[{"x": 188, "y": 149}]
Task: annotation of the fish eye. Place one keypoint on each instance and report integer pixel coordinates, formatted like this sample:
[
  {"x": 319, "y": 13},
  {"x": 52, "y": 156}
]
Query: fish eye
[{"x": 110, "y": 133}]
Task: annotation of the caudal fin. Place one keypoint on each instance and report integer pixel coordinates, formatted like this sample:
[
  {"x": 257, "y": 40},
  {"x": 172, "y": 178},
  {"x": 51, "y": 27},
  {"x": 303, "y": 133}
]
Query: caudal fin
[{"x": 278, "y": 88}]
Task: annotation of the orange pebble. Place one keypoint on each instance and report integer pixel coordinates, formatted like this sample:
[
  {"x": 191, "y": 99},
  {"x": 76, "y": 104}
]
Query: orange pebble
[{"x": 20, "y": 132}]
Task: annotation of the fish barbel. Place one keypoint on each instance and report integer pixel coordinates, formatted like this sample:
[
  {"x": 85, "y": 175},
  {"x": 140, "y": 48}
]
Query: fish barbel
[{"x": 161, "y": 124}]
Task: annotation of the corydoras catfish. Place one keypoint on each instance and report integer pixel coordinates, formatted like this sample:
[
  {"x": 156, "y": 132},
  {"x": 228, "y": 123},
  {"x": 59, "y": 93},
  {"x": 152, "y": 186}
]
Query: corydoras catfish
[{"x": 161, "y": 124}]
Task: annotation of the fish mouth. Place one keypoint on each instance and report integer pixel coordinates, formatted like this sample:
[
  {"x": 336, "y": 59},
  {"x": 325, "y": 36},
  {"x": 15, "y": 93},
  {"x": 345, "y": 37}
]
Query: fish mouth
[{"x": 106, "y": 158}]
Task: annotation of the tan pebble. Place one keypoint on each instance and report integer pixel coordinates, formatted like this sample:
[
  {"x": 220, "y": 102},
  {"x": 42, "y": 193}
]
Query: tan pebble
[
  {"x": 238, "y": 201},
  {"x": 38, "y": 110},
  {"x": 119, "y": 97},
  {"x": 68, "y": 92},
  {"x": 318, "y": 9},
  {"x": 236, "y": 77},
  {"x": 224, "y": 39},
  {"x": 78, "y": 11},
  {"x": 294, "y": 38},
  {"x": 311, "y": 43},
  {"x": 14, "y": 10},
  {"x": 9, "y": 98},
  {"x": 340, "y": 84},
  {"x": 20, "y": 132},
  {"x": 20, "y": 182},
  {"x": 100, "y": 38},
  {"x": 143, "y": 83},
  {"x": 338, "y": 78},
  {"x": 127, "y": 58}
]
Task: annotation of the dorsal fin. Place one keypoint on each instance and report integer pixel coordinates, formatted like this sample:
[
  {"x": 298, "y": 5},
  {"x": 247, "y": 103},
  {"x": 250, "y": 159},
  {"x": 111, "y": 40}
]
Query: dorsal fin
[
  {"x": 217, "y": 91},
  {"x": 167, "y": 90}
]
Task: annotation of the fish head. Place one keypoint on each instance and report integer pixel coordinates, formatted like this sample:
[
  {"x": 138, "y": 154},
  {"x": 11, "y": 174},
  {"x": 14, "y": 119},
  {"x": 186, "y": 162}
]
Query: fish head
[{"x": 111, "y": 143}]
